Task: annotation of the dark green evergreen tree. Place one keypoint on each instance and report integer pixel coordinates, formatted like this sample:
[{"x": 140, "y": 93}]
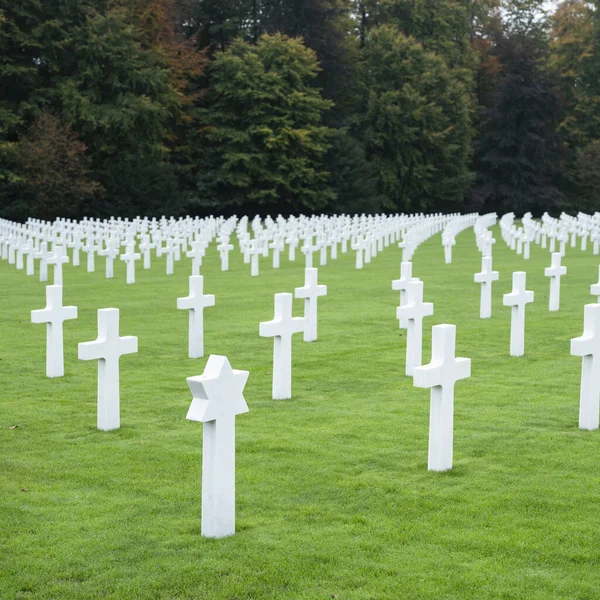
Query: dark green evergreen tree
[
  {"x": 519, "y": 148},
  {"x": 413, "y": 118},
  {"x": 264, "y": 124}
]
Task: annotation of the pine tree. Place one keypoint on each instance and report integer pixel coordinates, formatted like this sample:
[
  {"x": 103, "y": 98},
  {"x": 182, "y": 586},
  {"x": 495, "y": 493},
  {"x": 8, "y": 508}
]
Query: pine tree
[
  {"x": 264, "y": 124},
  {"x": 414, "y": 120},
  {"x": 519, "y": 149}
]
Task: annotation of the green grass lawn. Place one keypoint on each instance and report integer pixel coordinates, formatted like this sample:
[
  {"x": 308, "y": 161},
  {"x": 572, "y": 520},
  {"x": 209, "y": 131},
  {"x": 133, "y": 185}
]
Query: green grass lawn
[{"x": 334, "y": 499}]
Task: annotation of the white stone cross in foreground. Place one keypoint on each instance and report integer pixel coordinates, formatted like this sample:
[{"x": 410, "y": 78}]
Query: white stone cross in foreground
[
  {"x": 517, "y": 299},
  {"x": 310, "y": 292},
  {"x": 54, "y": 315},
  {"x": 281, "y": 328},
  {"x": 555, "y": 272},
  {"x": 196, "y": 302},
  {"x": 485, "y": 278},
  {"x": 588, "y": 347},
  {"x": 440, "y": 375},
  {"x": 218, "y": 398},
  {"x": 414, "y": 311},
  {"x": 107, "y": 349}
]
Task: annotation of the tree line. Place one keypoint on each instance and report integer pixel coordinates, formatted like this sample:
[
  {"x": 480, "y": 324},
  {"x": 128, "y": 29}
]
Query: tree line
[{"x": 148, "y": 107}]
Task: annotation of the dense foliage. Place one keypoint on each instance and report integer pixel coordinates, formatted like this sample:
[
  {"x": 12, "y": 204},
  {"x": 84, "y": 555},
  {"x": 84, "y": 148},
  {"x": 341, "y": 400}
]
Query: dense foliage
[{"x": 181, "y": 106}]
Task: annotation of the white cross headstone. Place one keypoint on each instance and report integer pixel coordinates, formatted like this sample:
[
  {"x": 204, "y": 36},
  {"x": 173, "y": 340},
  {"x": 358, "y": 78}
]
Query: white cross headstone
[
  {"x": 224, "y": 248},
  {"x": 196, "y": 302},
  {"x": 518, "y": 299},
  {"x": 110, "y": 252},
  {"x": 58, "y": 258},
  {"x": 29, "y": 250},
  {"x": 595, "y": 288},
  {"x": 414, "y": 311},
  {"x": 310, "y": 292},
  {"x": 281, "y": 328},
  {"x": 76, "y": 245},
  {"x": 107, "y": 349},
  {"x": 277, "y": 245},
  {"x": 448, "y": 242},
  {"x": 145, "y": 248},
  {"x": 217, "y": 399},
  {"x": 485, "y": 278},
  {"x": 308, "y": 250},
  {"x": 555, "y": 272},
  {"x": 401, "y": 285},
  {"x": 90, "y": 248},
  {"x": 322, "y": 246},
  {"x": 196, "y": 254},
  {"x": 19, "y": 246},
  {"x": 440, "y": 375},
  {"x": 588, "y": 347},
  {"x": 255, "y": 251},
  {"x": 54, "y": 315},
  {"x": 130, "y": 257},
  {"x": 170, "y": 252},
  {"x": 43, "y": 256}
]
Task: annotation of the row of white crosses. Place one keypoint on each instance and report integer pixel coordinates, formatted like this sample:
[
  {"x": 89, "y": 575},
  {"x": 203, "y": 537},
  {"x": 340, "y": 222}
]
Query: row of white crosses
[
  {"x": 440, "y": 374},
  {"x": 283, "y": 326},
  {"x": 550, "y": 232},
  {"x": 190, "y": 237},
  {"x": 519, "y": 297},
  {"x": 483, "y": 236},
  {"x": 174, "y": 238},
  {"x": 413, "y": 310},
  {"x": 452, "y": 229},
  {"x": 107, "y": 349},
  {"x": 109, "y": 346},
  {"x": 106, "y": 239}
]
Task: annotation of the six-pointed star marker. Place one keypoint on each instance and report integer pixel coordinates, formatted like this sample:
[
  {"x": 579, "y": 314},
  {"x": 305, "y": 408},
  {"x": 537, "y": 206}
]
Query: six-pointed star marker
[{"x": 218, "y": 392}]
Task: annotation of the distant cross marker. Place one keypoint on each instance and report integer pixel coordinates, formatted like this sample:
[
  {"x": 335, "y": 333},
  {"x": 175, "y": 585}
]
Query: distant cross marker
[
  {"x": 588, "y": 347},
  {"x": 196, "y": 302},
  {"x": 401, "y": 285},
  {"x": 310, "y": 292},
  {"x": 145, "y": 248},
  {"x": 54, "y": 315},
  {"x": 277, "y": 245},
  {"x": 43, "y": 254},
  {"x": 28, "y": 250},
  {"x": 58, "y": 258},
  {"x": 308, "y": 250},
  {"x": 224, "y": 248},
  {"x": 217, "y": 400},
  {"x": 440, "y": 375},
  {"x": 170, "y": 252},
  {"x": 413, "y": 312},
  {"x": 518, "y": 299},
  {"x": 110, "y": 252},
  {"x": 485, "y": 278},
  {"x": 107, "y": 350},
  {"x": 196, "y": 254},
  {"x": 130, "y": 257},
  {"x": 595, "y": 288},
  {"x": 255, "y": 251},
  {"x": 90, "y": 248},
  {"x": 281, "y": 328},
  {"x": 555, "y": 272}
]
